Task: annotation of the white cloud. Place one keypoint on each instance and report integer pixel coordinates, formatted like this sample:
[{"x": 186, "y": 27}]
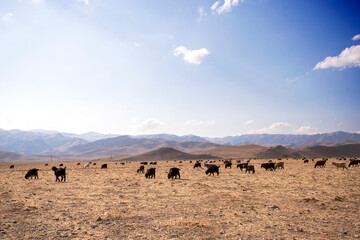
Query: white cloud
[
  {"x": 305, "y": 129},
  {"x": 350, "y": 57},
  {"x": 197, "y": 122},
  {"x": 248, "y": 122},
  {"x": 356, "y": 37},
  {"x": 84, "y": 1},
  {"x": 36, "y": 1},
  {"x": 226, "y": 7},
  {"x": 8, "y": 16},
  {"x": 191, "y": 56},
  {"x": 136, "y": 44},
  {"x": 202, "y": 12},
  {"x": 149, "y": 124},
  {"x": 272, "y": 128}
]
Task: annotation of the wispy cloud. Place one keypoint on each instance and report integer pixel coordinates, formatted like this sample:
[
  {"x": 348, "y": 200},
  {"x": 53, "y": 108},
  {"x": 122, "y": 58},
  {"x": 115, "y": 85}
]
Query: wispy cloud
[
  {"x": 36, "y": 1},
  {"x": 136, "y": 44},
  {"x": 356, "y": 37},
  {"x": 191, "y": 56},
  {"x": 202, "y": 13},
  {"x": 8, "y": 16},
  {"x": 226, "y": 7},
  {"x": 84, "y": 1},
  {"x": 306, "y": 129},
  {"x": 272, "y": 128},
  {"x": 248, "y": 122},
  {"x": 198, "y": 122},
  {"x": 148, "y": 124}
]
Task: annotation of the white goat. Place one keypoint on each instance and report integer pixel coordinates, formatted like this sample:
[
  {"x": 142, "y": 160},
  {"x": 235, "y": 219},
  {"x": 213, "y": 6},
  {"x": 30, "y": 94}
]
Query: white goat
[
  {"x": 340, "y": 165},
  {"x": 87, "y": 165}
]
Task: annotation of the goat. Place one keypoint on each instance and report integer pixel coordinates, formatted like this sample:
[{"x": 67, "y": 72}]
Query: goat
[
  {"x": 78, "y": 164},
  {"x": 141, "y": 169},
  {"x": 174, "y": 172},
  {"x": 104, "y": 166},
  {"x": 12, "y": 166},
  {"x": 354, "y": 162},
  {"x": 228, "y": 164},
  {"x": 250, "y": 168},
  {"x": 144, "y": 163},
  {"x": 212, "y": 169},
  {"x": 121, "y": 163},
  {"x": 46, "y": 164},
  {"x": 279, "y": 165},
  {"x": 340, "y": 165},
  {"x": 32, "y": 173},
  {"x": 94, "y": 164},
  {"x": 242, "y": 165},
  {"x": 197, "y": 165},
  {"x": 268, "y": 166},
  {"x": 320, "y": 163},
  {"x": 59, "y": 172},
  {"x": 87, "y": 165},
  {"x": 306, "y": 161},
  {"x": 150, "y": 173},
  {"x": 60, "y": 165}
]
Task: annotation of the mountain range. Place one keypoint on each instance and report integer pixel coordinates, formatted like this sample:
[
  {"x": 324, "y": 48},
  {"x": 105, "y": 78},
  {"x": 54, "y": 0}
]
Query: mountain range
[{"x": 96, "y": 145}]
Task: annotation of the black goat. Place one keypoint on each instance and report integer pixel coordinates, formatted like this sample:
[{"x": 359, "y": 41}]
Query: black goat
[
  {"x": 212, "y": 169},
  {"x": 104, "y": 166},
  {"x": 174, "y": 172},
  {"x": 150, "y": 173},
  {"x": 59, "y": 172},
  {"x": 32, "y": 173}
]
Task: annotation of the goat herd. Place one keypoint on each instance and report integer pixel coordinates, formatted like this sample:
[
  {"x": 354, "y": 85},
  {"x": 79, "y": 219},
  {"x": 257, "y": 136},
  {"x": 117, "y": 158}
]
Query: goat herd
[{"x": 211, "y": 167}]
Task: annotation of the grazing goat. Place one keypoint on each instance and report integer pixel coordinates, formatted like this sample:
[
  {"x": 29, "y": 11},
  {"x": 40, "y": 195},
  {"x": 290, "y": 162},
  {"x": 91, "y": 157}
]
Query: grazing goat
[
  {"x": 306, "y": 161},
  {"x": 141, "y": 169},
  {"x": 144, "y": 163},
  {"x": 250, "y": 168},
  {"x": 46, "y": 164},
  {"x": 59, "y": 172},
  {"x": 174, "y": 172},
  {"x": 121, "y": 163},
  {"x": 94, "y": 164},
  {"x": 268, "y": 166},
  {"x": 279, "y": 165},
  {"x": 150, "y": 173},
  {"x": 12, "y": 166},
  {"x": 212, "y": 169},
  {"x": 228, "y": 164},
  {"x": 87, "y": 165},
  {"x": 78, "y": 164},
  {"x": 320, "y": 163},
  {"x": 242, "y": 166},
  {"x": 60, "y": 165},
  {"x": 104, "y": 166},
  {"x": 354, "y": 162},
  {"x": 197, "y": 165},
  {"x": 340, "y": 165},
  {"x": 32, "y": 173}
]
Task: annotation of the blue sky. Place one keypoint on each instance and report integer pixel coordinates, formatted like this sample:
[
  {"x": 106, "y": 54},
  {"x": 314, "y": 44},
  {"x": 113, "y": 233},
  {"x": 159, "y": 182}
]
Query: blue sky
[{"x": 210, "y": 68}]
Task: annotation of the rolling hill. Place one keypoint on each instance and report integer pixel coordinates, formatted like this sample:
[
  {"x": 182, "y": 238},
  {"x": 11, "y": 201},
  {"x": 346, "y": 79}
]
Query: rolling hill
[{"x": 168, "y": 154}]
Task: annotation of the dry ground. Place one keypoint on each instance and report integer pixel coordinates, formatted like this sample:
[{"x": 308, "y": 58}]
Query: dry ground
[{"x": 299, "y": 202}]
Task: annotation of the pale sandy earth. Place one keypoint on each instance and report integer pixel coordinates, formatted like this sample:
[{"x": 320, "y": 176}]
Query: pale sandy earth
[{"x": 299, "y": 202}]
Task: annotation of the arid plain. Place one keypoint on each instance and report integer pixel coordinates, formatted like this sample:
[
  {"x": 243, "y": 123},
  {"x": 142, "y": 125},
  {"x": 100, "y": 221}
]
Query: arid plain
[{"x": 299, "y": 202}]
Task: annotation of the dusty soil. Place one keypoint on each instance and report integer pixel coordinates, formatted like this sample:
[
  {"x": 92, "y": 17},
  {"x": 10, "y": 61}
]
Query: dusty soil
[{"x": 299, "y": 202}]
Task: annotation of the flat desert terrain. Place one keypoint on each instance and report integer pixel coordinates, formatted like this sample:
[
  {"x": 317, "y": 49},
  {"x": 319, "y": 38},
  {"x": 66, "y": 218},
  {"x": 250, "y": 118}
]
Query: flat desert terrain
[{"x": 299, "y": 202}]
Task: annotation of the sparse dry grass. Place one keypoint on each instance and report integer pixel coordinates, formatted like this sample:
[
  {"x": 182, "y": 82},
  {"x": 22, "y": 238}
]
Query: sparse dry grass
[{"x": 299, "y": 202}]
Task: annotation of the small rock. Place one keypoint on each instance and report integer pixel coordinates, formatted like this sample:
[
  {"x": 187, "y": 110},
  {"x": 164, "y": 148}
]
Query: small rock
[
  {"x": 56, "y": 219},
  {"x": 79, "y": 228},
  {"x": 14, "y": 221},
  {"x": 107, "y": 223},
  {"x": 345, "y": 233},
  {"x": 93, "y": 226},
  {"x": 274, "y": 207},
  {"x": 174, "y": 236},
  {"x": 99, "y": 219},
  {"x": 91, "y": 234}
]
